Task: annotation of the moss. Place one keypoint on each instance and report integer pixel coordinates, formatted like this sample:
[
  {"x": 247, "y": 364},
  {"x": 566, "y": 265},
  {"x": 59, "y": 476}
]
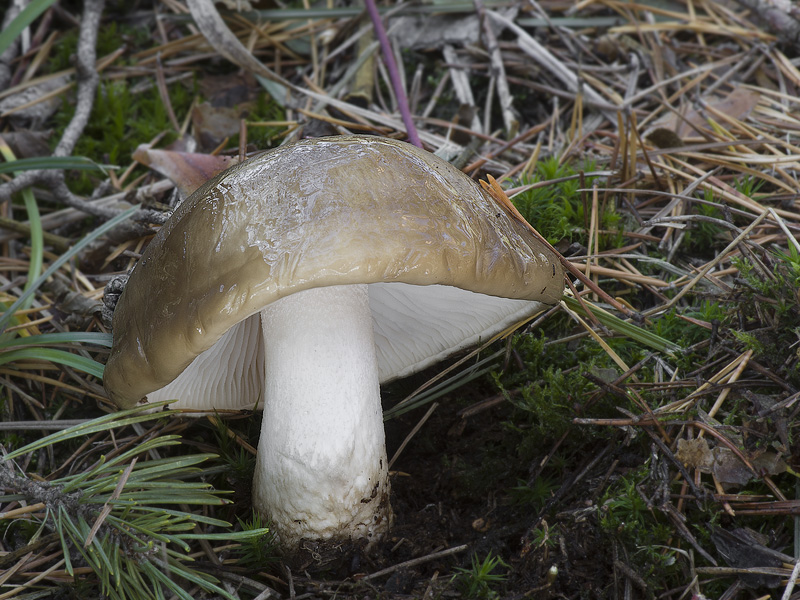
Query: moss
[
  {"x": 120, "y": 121},
  {"x": 263, "y": 109},
  {"x": 629, "y": 518},
  {"x": 763, "y": 315},
  {"x": 557, "y": 211}
]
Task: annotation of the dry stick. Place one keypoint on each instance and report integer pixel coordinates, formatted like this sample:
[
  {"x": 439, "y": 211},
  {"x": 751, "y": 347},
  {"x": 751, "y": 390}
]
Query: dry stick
[
  {"x": 684, "y": 403},
  {"x": 743, "y": 362},
  {"x": 10, "y": 53},
  {"x": 590, "y": 315},
  {"x": 546, "y": 59},
  {"x": 687, "y": 170},
  {"x": 650, "y": 166},
  {"x": 613, "y": 355},
  {"x": 778, "y": 15},
  {"x": 70, "y": 215},
  {"x": 787, "y": 593},
  {"x": 22, "y": 510},
  {"x": 106, "y": 510},
  {"x": 416, "y": 561},
  {"x": 520, "y": 138},
  {"x": 782, "y": 224},
  {"x": 33, "y": 581},
  {"x": 61, "y": 244},
  {"x": 460, "y": 82},
  {"x": 163, "y": 93},
  {"x": 228, "y": 45}
]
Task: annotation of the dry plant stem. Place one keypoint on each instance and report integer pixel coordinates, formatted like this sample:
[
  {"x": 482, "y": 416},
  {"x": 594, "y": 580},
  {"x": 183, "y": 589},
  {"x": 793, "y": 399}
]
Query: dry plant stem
[
  {"x": 227, "y": 44},
  {"x": 518, "y": 139},
  {"x": 510, "y": 119},
  {"x": 394, "y": 75},
  {"x": 106, "y": 510},
  {"x": 50, "y": 495},
  {"x": 221, "y": 38},
  {"x": 546, "y": 59},
  {"x": 87, "y": 76},
  {"x": 59, "y": 243},
  {"x": 412, "y": 433},
  {"x": 416, "y": 561}
]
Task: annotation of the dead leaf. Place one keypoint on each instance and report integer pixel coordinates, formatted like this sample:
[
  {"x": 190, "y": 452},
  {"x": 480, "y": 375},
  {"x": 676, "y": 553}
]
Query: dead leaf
[
  {"x": 743, "y": 549},
  {"x": 738, "y": 104},
  {"x": 34, "y": 104},
  {"x": 731, "y": 471},
  {"x": 187, "y": 170},
  {"x": 695, "y": 453},
  {"x": 481, "y": 525},
  {"x": 212, "y": 124},
  {"x": 234, "y": 89},
  {"x": 724, "y": 464}
]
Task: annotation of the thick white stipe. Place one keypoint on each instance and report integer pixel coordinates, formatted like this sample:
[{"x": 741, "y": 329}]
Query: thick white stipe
[{"x": 322, "y": 470}]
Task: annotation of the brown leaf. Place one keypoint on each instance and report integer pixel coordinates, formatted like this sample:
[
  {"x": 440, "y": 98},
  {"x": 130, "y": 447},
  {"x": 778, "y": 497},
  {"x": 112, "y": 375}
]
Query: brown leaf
[
  {"x": 212, "y": 124},
  {"x": 738, "y": 104},
  {"x": 695, "y": 453},
  {"x": 234, "y": 89},
  {"x": 187, "y": 170},
  {"x": 731, "y": 471}
]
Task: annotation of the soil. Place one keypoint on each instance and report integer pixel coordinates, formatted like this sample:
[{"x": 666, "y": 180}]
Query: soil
[{"x": 436, "y": 511}]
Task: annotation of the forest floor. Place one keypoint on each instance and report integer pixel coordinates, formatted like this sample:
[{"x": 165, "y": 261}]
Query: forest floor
[{"x": 636, "y": 440}]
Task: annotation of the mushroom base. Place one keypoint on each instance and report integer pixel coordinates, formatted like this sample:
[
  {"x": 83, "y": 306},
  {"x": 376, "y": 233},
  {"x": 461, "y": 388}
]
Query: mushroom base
[{"x": 322, "y": 472}]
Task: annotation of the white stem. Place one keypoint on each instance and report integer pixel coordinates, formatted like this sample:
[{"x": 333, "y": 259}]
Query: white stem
[{"x": 322, "y": 471}]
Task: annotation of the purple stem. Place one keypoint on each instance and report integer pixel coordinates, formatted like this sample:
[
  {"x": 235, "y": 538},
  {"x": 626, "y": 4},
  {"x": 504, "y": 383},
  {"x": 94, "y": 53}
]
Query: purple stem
[{"x": 394, "y": 75}]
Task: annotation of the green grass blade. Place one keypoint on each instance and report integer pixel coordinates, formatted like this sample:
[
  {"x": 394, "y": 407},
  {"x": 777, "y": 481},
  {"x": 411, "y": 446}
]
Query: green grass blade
[
  {"x": 34, "y": 219},
  {"x": 59, "y": 523},
  {"x": 75, "y": 481},
  {"x": 462, "y": 377},
  {"x": 625, "y": 328},
  {"x": 37, "y": 242},
  {"x": 22, "y": 20},
  {"x": 155, "y": 574},
  {"x": 54, "y": 355},
  {"x": 53, "y": 162},
  {"x": 226, "y": 536},
  {"x": 104, "y": 423},
  {"x": 61, "y": 337},
  {"x": 72, "y": 252}
]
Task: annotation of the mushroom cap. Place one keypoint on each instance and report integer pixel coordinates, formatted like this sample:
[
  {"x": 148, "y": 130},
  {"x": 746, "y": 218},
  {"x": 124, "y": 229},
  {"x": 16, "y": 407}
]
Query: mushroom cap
[{"x": 320, "y": 212}]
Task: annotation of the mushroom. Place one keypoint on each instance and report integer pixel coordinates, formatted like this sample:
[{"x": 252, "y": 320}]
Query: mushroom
[{"x": 302, "y": 279}]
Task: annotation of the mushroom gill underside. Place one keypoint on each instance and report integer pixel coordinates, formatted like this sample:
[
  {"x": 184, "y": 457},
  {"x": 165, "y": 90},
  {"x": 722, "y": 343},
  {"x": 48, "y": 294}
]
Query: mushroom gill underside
[{"x": 414, "y": 327}]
